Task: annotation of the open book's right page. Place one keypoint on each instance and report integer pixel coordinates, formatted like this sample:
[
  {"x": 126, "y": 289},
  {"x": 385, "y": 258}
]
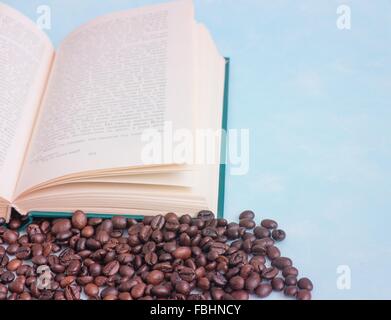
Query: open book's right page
[{"x": 112, "y": 79}]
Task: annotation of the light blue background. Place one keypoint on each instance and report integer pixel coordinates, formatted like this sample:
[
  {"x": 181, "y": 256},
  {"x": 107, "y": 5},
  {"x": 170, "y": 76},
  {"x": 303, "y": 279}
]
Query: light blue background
[{"x": 317, "y": 101}]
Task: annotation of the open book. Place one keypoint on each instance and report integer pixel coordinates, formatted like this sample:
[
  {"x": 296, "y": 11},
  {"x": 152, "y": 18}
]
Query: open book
[{"x": 72, "y": 121}]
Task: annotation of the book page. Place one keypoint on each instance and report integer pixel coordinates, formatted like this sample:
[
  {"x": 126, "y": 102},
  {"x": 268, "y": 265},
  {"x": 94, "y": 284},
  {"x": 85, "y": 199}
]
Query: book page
[
  {"x": 112, "y": 79},
  {"x": 25, "y": 58}
]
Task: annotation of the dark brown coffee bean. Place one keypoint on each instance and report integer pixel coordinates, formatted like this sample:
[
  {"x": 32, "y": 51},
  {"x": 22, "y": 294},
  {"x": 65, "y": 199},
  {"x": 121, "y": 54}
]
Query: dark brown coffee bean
[
  {"x": 273, "y": 252},
  {"x": 269, "y": 224},
  {"x": 182, "y": 287},
  {"x": 205, "y": 215},
  {"x": 278, "y": 234},
  {"x": 248, "y": 214},
  {"x": 281, "y": 262},
  {"x": 290, "y": 271},
  {"x": 278, "y": 284},
  {"x": 247, "y": 223},
  {"x": 269, "y": 273},
  {"x": 79, "y": 220},
  {"x": 61, "y": 226},
  {"x": 102, "y": 236},
  {"x": 291, "y": 291},
  {"x": 182, "y": 253},
  {"x": 303, "y": 295},
  {"x": 91, "y": 290},
  {"x": 240, "y": 295},
  {"x": 12, "y": 249},
  {"x": 119, "y": 222},
  {"x": 158, "y": 222},
  {"x": 39, "y": 260},
  {"x": 138, "y": 291},
  {"x": 305, "y": 283},
  {"x": 17, "y": 286},
  {"x": 14, "y": 264},
  {"x": 87, "y": 232},
  {"x": 10, "y": 236},
  {"x": 263, "y": 290},
  {"x": 161, "y": 291},
  {"x": 14, "y": 224},
  {"x": 252, "y": 283},
  {"x": 111, "y": 268},
  {"x": 291, "y": 280},
  {"x": 73, "y": 268},
  {"x": 72, "y": 292},
  {"x": 236, "y": 283},
  {"x": 259, "y": 250},
  {"x": 7, "y": 277}
]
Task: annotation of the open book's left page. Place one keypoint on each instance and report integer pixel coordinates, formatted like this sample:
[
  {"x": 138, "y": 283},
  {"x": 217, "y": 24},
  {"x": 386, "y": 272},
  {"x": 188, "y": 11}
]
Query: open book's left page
[{"x": 25, "y": 58}]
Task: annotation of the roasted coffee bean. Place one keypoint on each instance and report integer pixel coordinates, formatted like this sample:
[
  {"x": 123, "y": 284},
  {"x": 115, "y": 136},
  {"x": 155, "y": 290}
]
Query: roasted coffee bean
[
  {"x": 182, "y": 253},
  {"x": 79, "y": 220},
  {"x": 61, "y": 226},
  {"x": 263, "y": 290},
  {"x": 278, "y": 234},
  {"x": 247, "y": 223},
  {"x": 7, "y": 277},
  {"x": 305, "y": 283},
  {"x": 259, "y": 250},
  {"x": 91, "y": 290},
  {"x": 111, "y": 268},
  {"x": 290, "y": 280},
  {"x": 138, "y": 291},
  {"x": 273, "y": 252},
  {"x": 269, "y": 224},
  {"x": 205, "y": 215},
  {"x": 12, "y": 249},
  {"x": 14, "y": 224},
  {"x": 303, "y": 295},
  {"x": 10, "y": 236},
  {"x": 252, "y": 282},
  {"x": 39, "y": 260},
  {"x": 278, "y": 284},
  {"x": 102, "y": 236},
  {"x": 14, "y": 264},
  {"x": 161, "y": 291},
  {"x": 17, "y": 286},
  {"x": 248, "y": 214},
  {"x": 73, "y": 268},
  {"x": 240, "y": 295},
  {"x": 290, "y": 291},
  {"x": 162, "y": 257},
  {"x": 158, "y": 222},
  {"x": 119, "y": 222},
  {"x": 72, "y": 292},
  {"x": 290, "y": 271},
  {"x": 182, "y": 287},
  {"x": 269, "y": 273},
  {"x": 87, "y": 232},
  {"x": 281, "y": 262},
  {"x": 236, "y": 283}
]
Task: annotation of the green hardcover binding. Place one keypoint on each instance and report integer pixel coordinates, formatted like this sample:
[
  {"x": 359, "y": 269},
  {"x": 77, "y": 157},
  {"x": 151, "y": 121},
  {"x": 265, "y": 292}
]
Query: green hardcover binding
[{"x": 220, "y": 205}]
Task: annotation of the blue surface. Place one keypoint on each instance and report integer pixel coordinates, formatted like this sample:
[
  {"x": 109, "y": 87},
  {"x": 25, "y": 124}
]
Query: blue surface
[{"x": 317, "y": 102}]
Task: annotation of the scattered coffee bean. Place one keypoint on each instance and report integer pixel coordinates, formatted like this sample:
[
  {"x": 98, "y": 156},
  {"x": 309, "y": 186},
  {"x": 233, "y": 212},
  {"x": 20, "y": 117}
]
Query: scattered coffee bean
[
  {"x": 278, "y": 234},
  {"x": 303, "y": 295},
  {"x": 162, "y": 257},
  {"x": 248, "y": 214},
  {"x": 263, "y": 290},
  {"x": 79, "y": 220},
  {"x": 305, "y": 283}
]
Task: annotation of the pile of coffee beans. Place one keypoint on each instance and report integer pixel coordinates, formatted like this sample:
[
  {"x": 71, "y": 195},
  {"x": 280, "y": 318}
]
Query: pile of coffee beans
[{"x": 161, "y": 257}]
